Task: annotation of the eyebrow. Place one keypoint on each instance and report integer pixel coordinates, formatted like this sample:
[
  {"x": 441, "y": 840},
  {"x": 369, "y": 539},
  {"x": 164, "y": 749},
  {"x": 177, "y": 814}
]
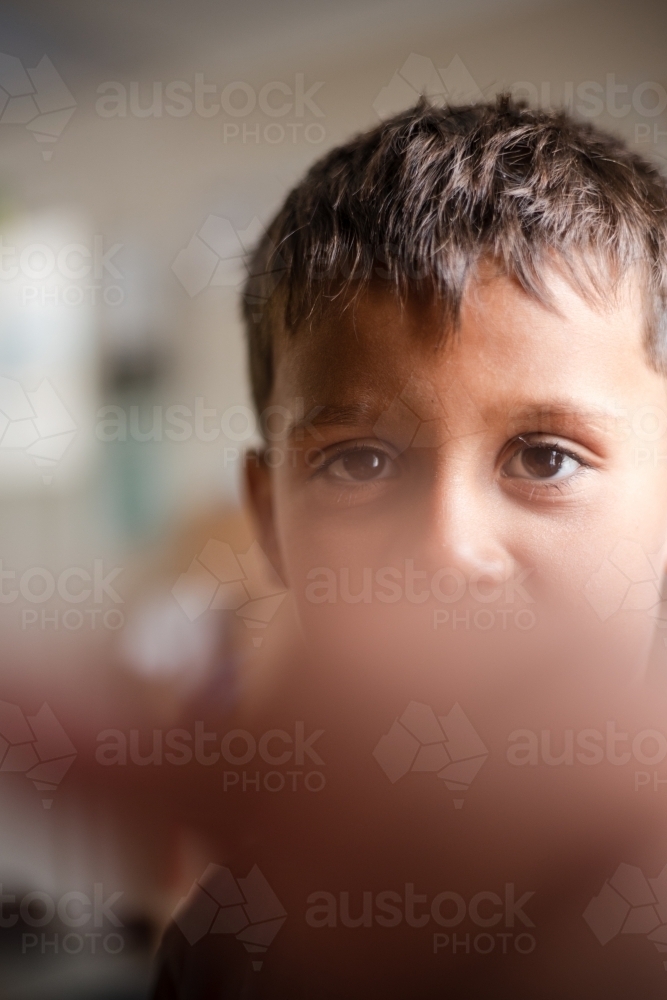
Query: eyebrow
[
  {"x": 331, "y": 414},
  {"x": 589, "y": 416},
  {"x": 361, "y": 414}
]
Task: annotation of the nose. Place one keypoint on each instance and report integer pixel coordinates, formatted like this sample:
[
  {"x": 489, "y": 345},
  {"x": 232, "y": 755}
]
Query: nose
[{"x": 462, "y": 528}]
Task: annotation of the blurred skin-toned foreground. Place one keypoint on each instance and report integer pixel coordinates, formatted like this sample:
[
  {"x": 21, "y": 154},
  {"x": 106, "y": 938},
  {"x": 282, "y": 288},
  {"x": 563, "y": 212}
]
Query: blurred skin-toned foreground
[{"x": 458, "y": 726}]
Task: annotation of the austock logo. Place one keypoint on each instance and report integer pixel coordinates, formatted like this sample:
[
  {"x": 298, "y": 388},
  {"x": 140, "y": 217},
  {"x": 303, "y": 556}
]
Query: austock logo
[
  {"x": 391, "y": 908},
  {"x": 418, "y": 75},
  {"x": 629, "y": 903},
  {"x": 216, "y": 256},
  {"x": 628, "y": 580},
  {"x": 446, "y": 745},
  {"x": 455, "y": 85},
  {"x": 416, "y": 418},
  {"x": 246, "y": 907},
  {"x": 36, "y": 422},
  {"x": 220, "y": 580},
  {"x": 35, "y": 745},
  {"x": 37, "y": 98},
  {"x": 58, "y": 922}
]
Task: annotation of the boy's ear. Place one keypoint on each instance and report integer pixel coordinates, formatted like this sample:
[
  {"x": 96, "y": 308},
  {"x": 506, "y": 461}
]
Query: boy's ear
[{"x": 259, "y": 493}]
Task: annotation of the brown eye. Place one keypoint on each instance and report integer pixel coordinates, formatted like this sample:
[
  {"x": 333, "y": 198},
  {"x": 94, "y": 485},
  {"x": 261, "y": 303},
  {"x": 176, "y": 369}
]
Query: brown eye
[
  {"x": 365, "y": 464},
  {"x": 543, "y": 461},
  {"x": 361, "y": 465}
]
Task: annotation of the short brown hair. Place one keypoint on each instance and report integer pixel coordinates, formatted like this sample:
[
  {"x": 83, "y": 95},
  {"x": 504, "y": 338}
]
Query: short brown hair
[{"x": 427, "y": 194}]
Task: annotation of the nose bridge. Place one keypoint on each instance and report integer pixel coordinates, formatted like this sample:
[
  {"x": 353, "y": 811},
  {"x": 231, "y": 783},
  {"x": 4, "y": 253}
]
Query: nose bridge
[{"x": 462, "y": 526}]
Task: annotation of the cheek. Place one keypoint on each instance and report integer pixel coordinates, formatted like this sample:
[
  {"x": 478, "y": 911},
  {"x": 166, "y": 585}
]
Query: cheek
[
  {"x": 330, "y": 565},
  {"x": 601, "y": 573},
  {"x": 311, "y": 544},
  {"x": 311, "y": 536}
]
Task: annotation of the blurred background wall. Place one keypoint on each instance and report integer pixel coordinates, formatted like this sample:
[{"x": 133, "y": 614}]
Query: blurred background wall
[{"x": 143, "y": 146}]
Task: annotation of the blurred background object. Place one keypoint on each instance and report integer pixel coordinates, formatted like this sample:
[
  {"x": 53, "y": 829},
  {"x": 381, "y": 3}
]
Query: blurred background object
[{"x": 144, "y": 146}]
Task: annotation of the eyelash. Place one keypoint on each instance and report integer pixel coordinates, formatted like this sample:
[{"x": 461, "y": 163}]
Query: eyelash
[
  {"x": 545, "y": 443},
  {"x": 349, "y": 449},
  {"x": 544, "y": 487}
]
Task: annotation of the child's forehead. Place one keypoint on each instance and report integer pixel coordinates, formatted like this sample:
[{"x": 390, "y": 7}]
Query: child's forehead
[{"x": 507, "y": 348}]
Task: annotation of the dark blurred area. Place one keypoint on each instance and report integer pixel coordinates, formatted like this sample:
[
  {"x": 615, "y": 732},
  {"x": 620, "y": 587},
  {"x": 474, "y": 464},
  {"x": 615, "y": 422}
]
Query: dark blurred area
[{"x": 143, "y": 147}]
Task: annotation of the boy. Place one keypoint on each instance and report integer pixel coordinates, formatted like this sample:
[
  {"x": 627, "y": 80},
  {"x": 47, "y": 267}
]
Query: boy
[{"x": 457, "y": 331}]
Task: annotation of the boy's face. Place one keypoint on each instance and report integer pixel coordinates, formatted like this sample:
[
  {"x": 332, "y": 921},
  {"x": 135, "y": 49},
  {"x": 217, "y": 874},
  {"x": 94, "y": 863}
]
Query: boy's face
[{"x": 529, "y": 447}]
